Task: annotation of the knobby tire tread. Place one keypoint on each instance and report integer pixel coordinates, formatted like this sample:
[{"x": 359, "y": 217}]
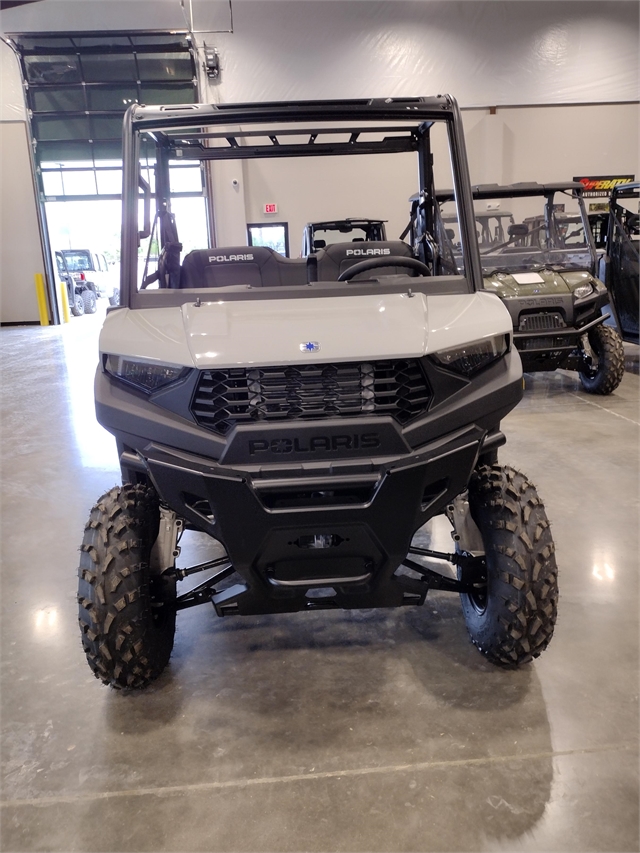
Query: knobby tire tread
[
  {"x": 610, "y": 351},
  {"x": 127, "y": 645},
  {"x": 522, "y": 575}
]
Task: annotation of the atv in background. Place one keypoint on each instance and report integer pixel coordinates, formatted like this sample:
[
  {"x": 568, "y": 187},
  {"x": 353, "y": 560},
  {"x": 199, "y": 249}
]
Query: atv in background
[
  {"x": 621, "y": 259},
  {"x": 317, "y": 235},
  {"x": 544, "y": 269},
  {"x": 309, "y": 414},
  {"x": 81, "y": 299}
]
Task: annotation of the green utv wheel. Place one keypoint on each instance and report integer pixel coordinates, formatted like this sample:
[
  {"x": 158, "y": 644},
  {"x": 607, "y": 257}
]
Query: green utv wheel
[
  {"x": 607, "y": 369},
  {"x": 127, "y": 616},
  {"x": 511, "y": 619}
]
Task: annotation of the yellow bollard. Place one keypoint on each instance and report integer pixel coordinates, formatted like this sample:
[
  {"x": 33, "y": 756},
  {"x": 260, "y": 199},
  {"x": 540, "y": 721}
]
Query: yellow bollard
[
  {"x": 64, "y": 298},
  {"x": 42, "y": 300}
]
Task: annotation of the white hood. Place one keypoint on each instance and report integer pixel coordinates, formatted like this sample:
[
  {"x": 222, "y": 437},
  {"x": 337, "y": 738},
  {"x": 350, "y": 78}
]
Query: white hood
[{"x": 276, "y": 331}]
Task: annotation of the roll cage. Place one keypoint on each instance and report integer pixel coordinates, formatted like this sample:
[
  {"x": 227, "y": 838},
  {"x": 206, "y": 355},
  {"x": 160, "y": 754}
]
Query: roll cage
[{"x": 205, "y": 132}]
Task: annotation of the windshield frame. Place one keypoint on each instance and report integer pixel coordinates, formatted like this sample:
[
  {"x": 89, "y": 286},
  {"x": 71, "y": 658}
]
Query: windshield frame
[{"x": 423, "y": 112}]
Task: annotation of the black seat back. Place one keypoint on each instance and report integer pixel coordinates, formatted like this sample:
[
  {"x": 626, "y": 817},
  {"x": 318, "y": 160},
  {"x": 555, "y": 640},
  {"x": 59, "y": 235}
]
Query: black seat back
[
  {"x": 338, "y": 257},
  {"x": 257, "y": 266}
]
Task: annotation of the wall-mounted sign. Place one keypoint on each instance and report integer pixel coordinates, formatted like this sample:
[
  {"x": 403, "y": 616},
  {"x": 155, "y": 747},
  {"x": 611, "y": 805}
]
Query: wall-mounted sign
[
  {"x": 601, "y": 185},
  {"x": 271, "y": 207}
]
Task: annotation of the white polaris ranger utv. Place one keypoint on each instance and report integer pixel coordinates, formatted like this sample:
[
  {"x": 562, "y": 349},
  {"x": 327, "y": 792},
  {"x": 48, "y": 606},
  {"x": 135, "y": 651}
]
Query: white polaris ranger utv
[{"x": 309, "y": 414}]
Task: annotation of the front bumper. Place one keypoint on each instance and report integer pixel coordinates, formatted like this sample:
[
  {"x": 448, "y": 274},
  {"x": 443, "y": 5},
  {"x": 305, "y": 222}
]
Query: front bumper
[
  {"x": 347, "y": 527},
  {"x": 320, "y": 514},
  {"x": 551, "y": 348}
]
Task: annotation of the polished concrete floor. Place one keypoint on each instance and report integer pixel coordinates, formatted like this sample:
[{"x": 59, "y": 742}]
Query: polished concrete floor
[{"x": 341, "y": 731}]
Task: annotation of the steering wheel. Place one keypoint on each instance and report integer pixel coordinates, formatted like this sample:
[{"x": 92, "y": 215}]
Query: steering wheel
[{"x": 384, "y": 261}]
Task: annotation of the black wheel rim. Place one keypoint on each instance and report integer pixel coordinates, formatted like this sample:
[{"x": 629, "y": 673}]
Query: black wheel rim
[{"x": 479, "y": 594}]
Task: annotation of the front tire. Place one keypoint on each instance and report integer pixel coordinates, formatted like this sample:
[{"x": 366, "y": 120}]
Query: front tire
[
  {"x": 127, "y": 615},
  {"x": 114, "y": 299},
  {"x": 512, "y": 617},
  {"x": 90, "y": 302},
  {"x": 607, "y": 369},
  {"x": 77, "y": 308}
]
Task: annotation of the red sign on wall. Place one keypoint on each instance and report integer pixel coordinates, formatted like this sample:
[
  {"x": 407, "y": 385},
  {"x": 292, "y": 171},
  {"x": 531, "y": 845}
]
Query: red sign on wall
[
  {"x": 601, "y": 185},
  {"x": 271, "y": 207}
]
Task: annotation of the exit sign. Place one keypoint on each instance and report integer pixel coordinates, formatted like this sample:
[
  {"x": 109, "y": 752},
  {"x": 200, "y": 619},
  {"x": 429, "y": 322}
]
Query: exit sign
[{"x": 272, "y": 207}]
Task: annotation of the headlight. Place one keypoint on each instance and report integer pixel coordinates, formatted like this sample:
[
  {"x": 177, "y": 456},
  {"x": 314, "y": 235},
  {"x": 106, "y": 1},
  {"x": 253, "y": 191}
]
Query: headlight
[
  {"x": 583, "y": 290},
  {"x": 468, "y": 359},
  {"x": 146, "y": 375}
]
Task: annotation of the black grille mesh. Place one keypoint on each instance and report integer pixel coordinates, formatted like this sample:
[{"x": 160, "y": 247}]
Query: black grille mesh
[
  {"x": 541, "y": 322},
  {"x": 233, "y": 396}
]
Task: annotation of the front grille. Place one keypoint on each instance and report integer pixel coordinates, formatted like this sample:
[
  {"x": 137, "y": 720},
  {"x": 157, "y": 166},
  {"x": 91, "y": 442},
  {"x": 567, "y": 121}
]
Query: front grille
[
  {"x": 548, "y": 343},
  {"x": 541, "y": 322},
  {"x": 225, "y": 398}
]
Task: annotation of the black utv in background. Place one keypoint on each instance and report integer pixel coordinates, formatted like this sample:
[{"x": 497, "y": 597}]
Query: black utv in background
[
  {"x": 622, "y": 247},
  {"x": 317, "y": 235},
  {"x": 538, "y": 255}
]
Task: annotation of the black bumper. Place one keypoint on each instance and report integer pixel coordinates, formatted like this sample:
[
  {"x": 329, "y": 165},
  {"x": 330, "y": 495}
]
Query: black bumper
[
  {"x": 295, "y": 514},
  {"x": 346, "y": 528}
]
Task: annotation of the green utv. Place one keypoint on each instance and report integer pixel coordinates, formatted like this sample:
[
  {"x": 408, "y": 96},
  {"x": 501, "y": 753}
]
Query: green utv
[{"x": 538, "y": 255}]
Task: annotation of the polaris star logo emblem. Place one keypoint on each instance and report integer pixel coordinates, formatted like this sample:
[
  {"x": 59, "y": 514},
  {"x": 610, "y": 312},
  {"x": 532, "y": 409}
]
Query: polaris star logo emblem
[{"x": 309, "y": 346}]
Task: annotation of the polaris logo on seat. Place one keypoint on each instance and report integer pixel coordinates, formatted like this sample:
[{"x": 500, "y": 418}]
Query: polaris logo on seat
[
  {"x": 367, "y": 252},
  {"x": 224, "y": 258},
  {"x": 315, "y": 443}
]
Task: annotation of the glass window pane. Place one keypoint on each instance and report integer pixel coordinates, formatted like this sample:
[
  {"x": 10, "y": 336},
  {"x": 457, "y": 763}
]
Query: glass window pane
[
  {"x": 61, "y": 128},
  {"x": 52, "y": 183},
  {"x": 165, "y": 66},
  {"x": 58, "y": 100},
  {"x": 191, "y": 221},
  {"x": 271, "y": 236},
  {"x": 99, "y": 41},
  {"x": 109, "y": 181},
  {"x": 107, "y": 150},
  {"x": 38, "y": 42},
  {"x": 56, "y": 152},
  {"x": 102, "y": 68},
  {"x": 185, "y": 179},
  {"x": 106, "y": 127},
  {"x": 79, "y": 183},
  {"x": 111, "y": 97},
  {"x": 170, "y": 93},
  {"x": 159, "y": 39},
  {"x": 52, "y": 69}
]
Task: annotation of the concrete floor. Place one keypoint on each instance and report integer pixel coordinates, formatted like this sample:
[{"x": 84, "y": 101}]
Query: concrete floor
[{"x": 345, "y": 731}]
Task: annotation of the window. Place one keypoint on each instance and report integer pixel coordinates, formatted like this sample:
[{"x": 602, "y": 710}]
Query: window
[{"x": 275, "y": 236}]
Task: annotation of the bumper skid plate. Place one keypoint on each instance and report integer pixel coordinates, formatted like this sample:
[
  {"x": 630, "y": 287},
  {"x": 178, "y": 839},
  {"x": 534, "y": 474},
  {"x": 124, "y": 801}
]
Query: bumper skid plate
[{"x": 342, "y": 536}]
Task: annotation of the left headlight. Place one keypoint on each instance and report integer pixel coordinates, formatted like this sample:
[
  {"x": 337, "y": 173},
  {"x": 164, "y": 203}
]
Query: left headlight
[
  {"x": 145, "y": 375},
  {"x": 468, "y": 359},
  {"x": 583, "y": 290}
]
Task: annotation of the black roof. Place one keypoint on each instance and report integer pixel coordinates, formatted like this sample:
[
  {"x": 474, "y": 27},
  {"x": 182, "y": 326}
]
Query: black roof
[
  {"x": 518, "y": 190},
  {"x": 336, "y": 224}
]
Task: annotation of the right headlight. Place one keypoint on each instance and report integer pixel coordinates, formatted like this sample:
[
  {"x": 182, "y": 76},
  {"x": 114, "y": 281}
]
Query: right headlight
[{"x": 468, "y": 359}]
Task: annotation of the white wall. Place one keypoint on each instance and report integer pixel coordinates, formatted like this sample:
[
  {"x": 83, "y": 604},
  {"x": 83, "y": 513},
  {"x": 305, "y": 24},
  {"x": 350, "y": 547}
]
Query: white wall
[
  {"x": 20, "y": 247},
  {"x": 499, "y": 52},
  {"x": 534, "y": 144}
]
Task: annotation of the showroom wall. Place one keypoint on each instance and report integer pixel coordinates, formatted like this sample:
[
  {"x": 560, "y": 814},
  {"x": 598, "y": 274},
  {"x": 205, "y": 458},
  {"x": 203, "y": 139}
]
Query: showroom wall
[
  {"x": 549, "y": 88},
  {"x": 20, "y": 245},
  {"x": 534, "y": 144}
]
